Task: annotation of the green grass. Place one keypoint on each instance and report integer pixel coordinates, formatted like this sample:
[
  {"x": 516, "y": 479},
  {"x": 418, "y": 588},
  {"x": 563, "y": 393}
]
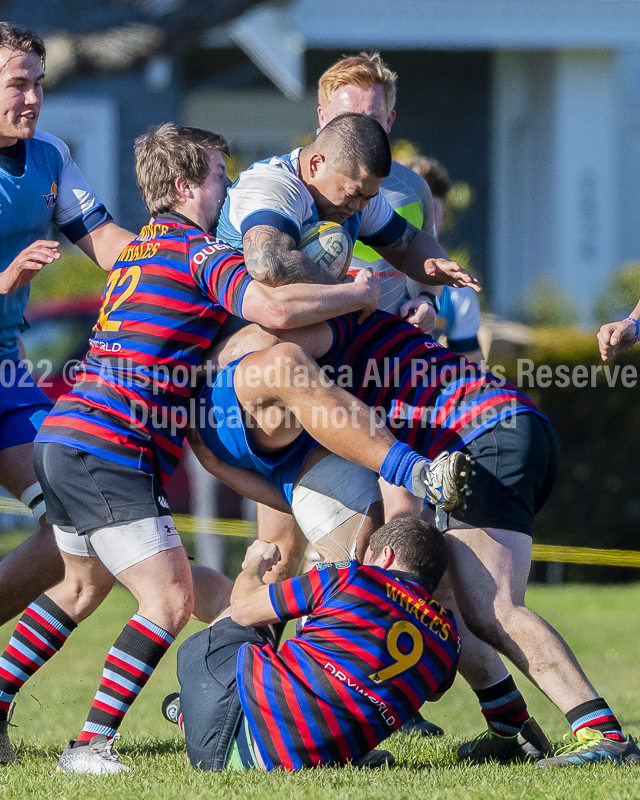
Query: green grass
[{"x": 601, "y": 623}]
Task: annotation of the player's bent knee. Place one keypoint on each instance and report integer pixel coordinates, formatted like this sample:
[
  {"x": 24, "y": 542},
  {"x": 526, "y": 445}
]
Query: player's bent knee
[{"x": 487, "y": 628}]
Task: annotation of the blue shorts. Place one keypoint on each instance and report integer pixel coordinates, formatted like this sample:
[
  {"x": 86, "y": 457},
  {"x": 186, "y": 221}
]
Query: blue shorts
[
  {"x": 221, "y": 424},
  {"x": 23, "y": 405}
]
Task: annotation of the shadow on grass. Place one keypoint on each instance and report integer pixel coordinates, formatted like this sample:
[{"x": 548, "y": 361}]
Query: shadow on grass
[{"x": 135, "y": 749}]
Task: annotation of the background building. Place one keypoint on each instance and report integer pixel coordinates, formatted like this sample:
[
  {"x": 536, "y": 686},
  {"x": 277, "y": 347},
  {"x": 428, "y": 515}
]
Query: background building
[{"x": 533, "y": 103}]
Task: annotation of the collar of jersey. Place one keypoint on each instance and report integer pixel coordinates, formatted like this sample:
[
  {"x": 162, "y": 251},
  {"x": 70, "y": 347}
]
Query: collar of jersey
[{"x": 178, "y": 219}]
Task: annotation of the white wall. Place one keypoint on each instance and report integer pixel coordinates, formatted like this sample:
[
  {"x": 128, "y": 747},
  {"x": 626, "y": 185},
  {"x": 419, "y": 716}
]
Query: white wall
[
  {"x": 89, "y": 127},
  {"x": 471, "y": 24},
  {"x": 555, "y": 168}
]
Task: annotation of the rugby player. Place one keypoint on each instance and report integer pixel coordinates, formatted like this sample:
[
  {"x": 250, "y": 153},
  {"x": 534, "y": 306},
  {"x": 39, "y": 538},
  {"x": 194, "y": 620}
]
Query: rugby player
[
  {"x": 39, "y": 184},
  {"x": 251, "y": 417},
  {"x": 436, "y": 403},
  {"x": 364, "y": 84},
  {"x": 373, "y": 648},
  {"x": 105, "y": 451},
  {"x": 269, "y": 203}
]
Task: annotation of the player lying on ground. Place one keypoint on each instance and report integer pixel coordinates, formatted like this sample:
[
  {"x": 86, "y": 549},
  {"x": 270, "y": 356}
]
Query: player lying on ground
[
  {"x": 374, "y": 647},
  {"x": 40, "y": 183},
  {"x": 104, "y": 453},
  {"x": 436, "y": 402},
  {"x": 616, "y": 337}
]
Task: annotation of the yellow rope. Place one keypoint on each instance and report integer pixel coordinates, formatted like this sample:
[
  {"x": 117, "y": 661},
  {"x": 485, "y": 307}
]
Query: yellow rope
[{"x": 240, "y": 527}]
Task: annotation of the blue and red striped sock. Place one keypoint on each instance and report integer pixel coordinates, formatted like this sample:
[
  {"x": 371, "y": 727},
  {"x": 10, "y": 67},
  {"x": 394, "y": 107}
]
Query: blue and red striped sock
[
  {"x": 597, "y": 715},
  {"x": 129, "y": 665},
  {"x": 42, "y": 630},
  {"x": 504, "y": 707}
]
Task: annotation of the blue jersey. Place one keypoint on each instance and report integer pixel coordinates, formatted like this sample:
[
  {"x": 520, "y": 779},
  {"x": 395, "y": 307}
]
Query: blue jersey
[
  {"x": 41, "y": 185},
  {"x": 222, "y": 427},
  {"x": 271, "y": 193}
]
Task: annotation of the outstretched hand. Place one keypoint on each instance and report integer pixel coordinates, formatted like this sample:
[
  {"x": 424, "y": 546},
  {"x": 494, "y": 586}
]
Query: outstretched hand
[
  {"x": 616, "y": 337},
  {"x": 26, "y": 265},
  {"x": 450, "y": 273}
]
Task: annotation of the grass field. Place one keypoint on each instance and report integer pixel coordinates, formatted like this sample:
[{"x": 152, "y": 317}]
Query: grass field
[{"x": 601, "y": 623}]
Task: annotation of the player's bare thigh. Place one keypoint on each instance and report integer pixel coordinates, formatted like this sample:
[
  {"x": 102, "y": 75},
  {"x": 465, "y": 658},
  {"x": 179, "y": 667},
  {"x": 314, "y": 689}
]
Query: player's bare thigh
[
  {"x": 315, "y": 340},
  {"x": 489, "y": 570},
  {"x": 262, "y": 381}
]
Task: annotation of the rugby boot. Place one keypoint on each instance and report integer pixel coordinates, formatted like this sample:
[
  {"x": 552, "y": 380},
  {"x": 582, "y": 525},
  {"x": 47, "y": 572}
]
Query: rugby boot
[
  {"x": 529, "y": 743},
  {"x": 94, "y": 757},
  {"x": 374, "y": 759},
  {"x": 445, "y": 480},
  {"x": 7, "y": 753},
  {"x": 417, "y": 725},
  {"x": 590, "y": 746}
]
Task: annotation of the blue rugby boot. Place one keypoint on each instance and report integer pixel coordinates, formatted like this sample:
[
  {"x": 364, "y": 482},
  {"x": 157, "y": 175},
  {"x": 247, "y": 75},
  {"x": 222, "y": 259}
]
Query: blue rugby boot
[{"x": 590, "y": 746}]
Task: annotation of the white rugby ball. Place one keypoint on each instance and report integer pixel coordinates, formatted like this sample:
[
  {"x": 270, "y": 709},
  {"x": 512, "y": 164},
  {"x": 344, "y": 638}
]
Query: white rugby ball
[{"x": 329, "y": 245}]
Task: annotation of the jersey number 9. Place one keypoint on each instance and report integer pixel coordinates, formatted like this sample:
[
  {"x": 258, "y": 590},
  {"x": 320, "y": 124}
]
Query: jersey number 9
[{"x": 403, "y": 661}]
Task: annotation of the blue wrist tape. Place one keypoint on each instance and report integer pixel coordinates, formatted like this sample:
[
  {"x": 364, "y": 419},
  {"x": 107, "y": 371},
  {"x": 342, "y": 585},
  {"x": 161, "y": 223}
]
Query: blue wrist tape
[{"x": 398, "y": 464}]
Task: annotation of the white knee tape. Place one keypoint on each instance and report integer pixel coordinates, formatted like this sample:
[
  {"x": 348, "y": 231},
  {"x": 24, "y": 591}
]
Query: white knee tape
[
  {"x": 333, "y": 491},
  {"x": 34, "y": 500}
]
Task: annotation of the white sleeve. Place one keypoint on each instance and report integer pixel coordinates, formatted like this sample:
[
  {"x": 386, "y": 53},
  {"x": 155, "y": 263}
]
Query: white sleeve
[
  {"x": 77, "y": 210},
  {"x": 268, "y": 194},
  {"x": 374, "y": 216}
]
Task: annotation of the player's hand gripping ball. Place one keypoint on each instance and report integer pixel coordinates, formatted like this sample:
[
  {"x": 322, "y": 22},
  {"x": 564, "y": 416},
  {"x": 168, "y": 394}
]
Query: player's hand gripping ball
[{"x": 329, "y": 245}]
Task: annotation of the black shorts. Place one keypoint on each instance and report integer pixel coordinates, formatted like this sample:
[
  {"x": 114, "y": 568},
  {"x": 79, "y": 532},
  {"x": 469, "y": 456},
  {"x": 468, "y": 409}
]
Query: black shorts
[
  {"x": 516, "y": 465},
  {"x": 85, "y": 492},
  {"x": 209, "y": 701}
]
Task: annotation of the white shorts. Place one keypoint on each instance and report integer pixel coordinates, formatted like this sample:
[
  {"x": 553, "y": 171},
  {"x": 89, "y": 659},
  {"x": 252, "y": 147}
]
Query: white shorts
[
  {"x": 332, "y": 492},
  {"x": 121, "y": 545}
]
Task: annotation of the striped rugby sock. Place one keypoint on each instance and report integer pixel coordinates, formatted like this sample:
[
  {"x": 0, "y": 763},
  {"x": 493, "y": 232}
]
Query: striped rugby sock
[
  {"x": 597, "y": 715},
  {"x": 504, "y": 707},
  {"x": 129, "y": 665},
  {"x": 42, "y": 630}
]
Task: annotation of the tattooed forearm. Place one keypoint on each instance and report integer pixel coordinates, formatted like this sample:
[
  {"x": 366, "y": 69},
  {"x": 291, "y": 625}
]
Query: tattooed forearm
[{"x": 271, "y": 259}]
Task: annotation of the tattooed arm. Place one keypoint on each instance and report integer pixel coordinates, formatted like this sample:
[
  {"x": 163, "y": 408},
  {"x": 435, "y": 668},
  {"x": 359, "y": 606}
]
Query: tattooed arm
[
  {"x": 272, "y": 259},
  {"x": 419, "y": 256}
]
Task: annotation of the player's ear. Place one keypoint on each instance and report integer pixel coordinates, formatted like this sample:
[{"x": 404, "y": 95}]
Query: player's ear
[
  {"x": 315, "y": 164},
  {"x": 390, "y": 120},
  {"x": 322, "y": 120},
  {"x": 387, "y": 556},
  {"x": 184, "y": 188}
]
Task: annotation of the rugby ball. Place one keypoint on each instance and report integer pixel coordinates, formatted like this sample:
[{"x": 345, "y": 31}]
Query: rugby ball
[{"x": 329, "y": 245}]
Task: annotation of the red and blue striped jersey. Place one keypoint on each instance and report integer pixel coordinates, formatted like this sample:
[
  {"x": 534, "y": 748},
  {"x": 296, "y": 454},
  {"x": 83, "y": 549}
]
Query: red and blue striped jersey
[
  {"x": 432, "y": 399},
  {"x": 375, "y": 646},
  {"x": 165, "y": 299}
]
